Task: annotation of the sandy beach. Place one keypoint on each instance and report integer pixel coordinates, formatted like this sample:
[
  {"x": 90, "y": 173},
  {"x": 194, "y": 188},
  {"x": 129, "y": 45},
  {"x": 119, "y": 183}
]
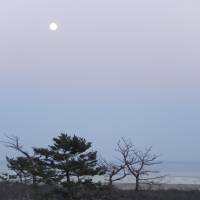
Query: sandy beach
[
  {"x": 185, "y": 183},
  {"x": 162, "y": 186}
]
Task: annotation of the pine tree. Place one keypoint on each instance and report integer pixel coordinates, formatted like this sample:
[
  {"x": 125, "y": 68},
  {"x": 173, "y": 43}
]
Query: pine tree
[{"x": 71, "y": 157}]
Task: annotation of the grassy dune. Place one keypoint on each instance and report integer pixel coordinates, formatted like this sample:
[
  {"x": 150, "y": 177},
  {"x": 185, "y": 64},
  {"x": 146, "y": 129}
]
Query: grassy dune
[{"x": 15, "y": 191}]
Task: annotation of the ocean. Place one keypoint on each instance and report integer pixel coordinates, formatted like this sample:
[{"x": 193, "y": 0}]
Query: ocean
[{"x": 187, "y": 169}]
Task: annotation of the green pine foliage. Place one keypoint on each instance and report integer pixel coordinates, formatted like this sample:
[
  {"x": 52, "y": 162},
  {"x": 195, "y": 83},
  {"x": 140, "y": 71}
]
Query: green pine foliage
[{"x": 71, "y": 158}]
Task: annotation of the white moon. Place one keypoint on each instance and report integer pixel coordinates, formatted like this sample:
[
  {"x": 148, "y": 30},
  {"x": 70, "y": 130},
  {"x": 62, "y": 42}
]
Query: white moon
[{"x": 53, "y": 26}]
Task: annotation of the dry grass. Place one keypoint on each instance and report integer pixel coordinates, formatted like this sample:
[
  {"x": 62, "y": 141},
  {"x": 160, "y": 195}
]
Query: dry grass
[{"x": 15, "y": 191}]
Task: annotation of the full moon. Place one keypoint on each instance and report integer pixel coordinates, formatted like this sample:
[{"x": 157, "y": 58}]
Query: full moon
[{"x": 53, "y": 26}]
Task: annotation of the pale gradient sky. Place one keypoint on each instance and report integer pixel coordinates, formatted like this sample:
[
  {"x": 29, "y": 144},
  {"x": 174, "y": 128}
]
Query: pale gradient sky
[{"x": 114, "y": 68}]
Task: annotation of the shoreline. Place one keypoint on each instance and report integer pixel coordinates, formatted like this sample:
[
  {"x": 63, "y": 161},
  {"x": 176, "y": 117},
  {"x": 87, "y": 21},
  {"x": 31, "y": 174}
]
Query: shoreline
[
  {"x": 157, "y": 187},
  {"x": 165, "y": 180}
]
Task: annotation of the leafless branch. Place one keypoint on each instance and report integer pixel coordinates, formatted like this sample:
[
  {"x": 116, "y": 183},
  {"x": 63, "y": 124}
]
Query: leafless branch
[
  {"x": 114, "y": 172},
  {"x": 13, "y": 142},
  {"x": 136, "y": 161}
]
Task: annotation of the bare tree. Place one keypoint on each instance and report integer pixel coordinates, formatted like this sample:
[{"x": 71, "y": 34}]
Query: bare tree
[
  {"x": 29, "y": 160},
  {"x": 14, "y": 143},
  {"x": 138, "y": 163},
  {"x": 113, "y": 172}
]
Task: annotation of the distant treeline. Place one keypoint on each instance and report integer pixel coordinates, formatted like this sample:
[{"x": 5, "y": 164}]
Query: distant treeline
[{"x": 70, "y": 162}]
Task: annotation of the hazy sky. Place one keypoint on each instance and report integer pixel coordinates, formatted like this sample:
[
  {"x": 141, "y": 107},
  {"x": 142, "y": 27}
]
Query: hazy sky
[{"x": 114, "y": 68}]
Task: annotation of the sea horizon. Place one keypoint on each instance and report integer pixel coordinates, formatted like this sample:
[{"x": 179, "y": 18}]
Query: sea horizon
[{"x": 180, "y": 172}]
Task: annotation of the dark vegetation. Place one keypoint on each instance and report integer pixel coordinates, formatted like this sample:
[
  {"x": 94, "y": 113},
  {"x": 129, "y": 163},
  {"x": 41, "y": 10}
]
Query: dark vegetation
[
  {"x": 66, "y": 169},
  {"x": 16, "y": 191}
]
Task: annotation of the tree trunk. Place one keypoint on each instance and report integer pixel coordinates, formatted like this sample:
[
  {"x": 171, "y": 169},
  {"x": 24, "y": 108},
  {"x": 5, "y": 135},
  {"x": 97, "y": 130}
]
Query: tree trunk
[
  {"x": 69, "y": 186},
  {"x": 110, "y": 182},
  {"x": 68, "y": 177},
  {"x": 137, "y": 184},
  {"x": 79, "y": 180},
  {"x": 34, "y": 180},
  {"x": 20, "y": 177}
]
